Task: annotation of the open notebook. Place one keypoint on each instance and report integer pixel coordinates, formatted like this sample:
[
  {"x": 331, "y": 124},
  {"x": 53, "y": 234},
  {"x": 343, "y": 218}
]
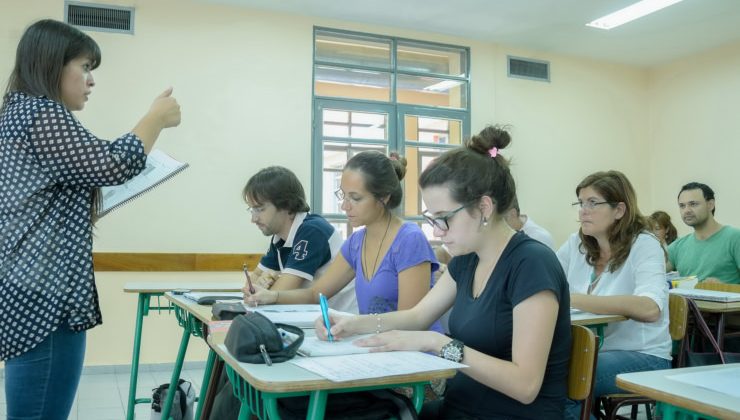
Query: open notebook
[
  {"x": 159, "y": 168},
  {"x": 711, "y": 295},
  {"x": 208, "y": 298}
]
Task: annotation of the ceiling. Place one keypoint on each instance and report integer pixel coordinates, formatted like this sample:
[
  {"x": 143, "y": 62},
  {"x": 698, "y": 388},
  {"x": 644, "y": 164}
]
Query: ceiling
[{"x": 555, "y": 26}]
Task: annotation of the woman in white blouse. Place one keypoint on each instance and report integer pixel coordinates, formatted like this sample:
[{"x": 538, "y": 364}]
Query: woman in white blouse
[{"x": 615, "y": 265}]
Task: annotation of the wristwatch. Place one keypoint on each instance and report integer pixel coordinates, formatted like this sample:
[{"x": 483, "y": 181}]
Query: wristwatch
[{"x": 452, "y": 351}]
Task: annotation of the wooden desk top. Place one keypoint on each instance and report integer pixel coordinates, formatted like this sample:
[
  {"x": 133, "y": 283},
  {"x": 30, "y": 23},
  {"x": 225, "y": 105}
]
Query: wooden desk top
[
  {"x": 165, "y": 286},
  {"x": 287, "y": 377},
  {"x": 201, "y": 312},
  {"x": 586, "y": 319},
  {"x": 658, "y": 386},
  {"x": 717, "y": 307}
]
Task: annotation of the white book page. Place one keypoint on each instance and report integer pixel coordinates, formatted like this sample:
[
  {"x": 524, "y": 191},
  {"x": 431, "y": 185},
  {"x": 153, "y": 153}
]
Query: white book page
[
  {"x": 314, "y": 347},
  {"x": 373, "y": 365},
  {"x": 159, "y": 167}
]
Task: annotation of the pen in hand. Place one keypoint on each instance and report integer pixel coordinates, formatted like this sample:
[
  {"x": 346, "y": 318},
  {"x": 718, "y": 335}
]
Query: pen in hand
[
  {"x": 249, "y": 279},
  {"x": 325, "y": 314}
]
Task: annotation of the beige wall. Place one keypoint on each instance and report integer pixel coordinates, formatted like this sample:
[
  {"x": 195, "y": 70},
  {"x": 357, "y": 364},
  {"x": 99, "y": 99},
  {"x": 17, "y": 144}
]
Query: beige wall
[
  {"x": 243, "y": 78},
  {"x": 695, "y": 131}
]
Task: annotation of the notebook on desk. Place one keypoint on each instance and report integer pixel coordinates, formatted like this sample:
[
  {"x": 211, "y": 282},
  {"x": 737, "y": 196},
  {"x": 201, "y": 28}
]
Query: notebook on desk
[
  {"x": 710, "y": 295},
  {"x": 208, "y": 298}
]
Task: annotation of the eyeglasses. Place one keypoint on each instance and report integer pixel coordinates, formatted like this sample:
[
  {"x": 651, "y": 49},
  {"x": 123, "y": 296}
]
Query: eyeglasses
[
  {"x": 341, "y": 196},
  {"x": 590, "y": 204},
  {"x": 256, "y": 211},
  {"x": 441, "y": 222}
]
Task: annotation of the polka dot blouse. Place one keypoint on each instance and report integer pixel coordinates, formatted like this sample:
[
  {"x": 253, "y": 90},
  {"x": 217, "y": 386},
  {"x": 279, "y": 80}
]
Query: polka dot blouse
[{"x": 49, "y": 167}]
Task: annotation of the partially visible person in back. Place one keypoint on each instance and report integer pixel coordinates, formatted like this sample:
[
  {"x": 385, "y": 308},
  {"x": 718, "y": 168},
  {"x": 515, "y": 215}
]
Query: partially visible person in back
[
  {"x": 712, "y": 251},
  {"x": 663, "y": 228},
  {"x": 524, "y": 223}
]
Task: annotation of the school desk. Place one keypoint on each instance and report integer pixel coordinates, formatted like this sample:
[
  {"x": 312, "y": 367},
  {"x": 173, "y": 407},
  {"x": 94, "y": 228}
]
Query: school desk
[
  {"x": 686, "y": 400},
  {"x": 155, "y": 290},
  {"x": 259, "y": 386},
  {"x": 595, "y": 322}
]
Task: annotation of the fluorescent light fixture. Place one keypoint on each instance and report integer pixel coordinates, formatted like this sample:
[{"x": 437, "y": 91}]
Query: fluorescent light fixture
[
  {"x": 630, "y": 13},
  {"x": 443, "y": 86}
]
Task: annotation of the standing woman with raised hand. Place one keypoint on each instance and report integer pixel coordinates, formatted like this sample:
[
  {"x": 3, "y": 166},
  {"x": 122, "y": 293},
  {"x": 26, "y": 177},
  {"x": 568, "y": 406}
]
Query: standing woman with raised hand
[
  {"x": 51, "y": 169},
  {"x": 510, "y": 318},
  {"x": 390, "y": 261}
]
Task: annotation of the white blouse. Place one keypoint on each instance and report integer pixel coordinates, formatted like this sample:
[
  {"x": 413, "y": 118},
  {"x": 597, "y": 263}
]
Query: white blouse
[{"x": 642, "y": 274}]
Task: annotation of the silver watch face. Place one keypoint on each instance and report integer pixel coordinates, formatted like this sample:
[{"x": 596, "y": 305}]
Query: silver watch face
[{"x": 452, "y": 351}]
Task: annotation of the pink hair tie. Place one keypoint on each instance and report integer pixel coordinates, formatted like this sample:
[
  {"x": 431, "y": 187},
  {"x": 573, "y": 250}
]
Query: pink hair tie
[
  {"x": 493, "y": 151},
  {"x": 393, "y": 157}
]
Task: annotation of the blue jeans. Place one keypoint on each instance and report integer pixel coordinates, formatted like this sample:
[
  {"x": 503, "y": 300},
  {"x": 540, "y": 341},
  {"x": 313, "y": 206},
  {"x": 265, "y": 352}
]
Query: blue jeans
[
  {"x": 608, "y": 366},
  {"x": 41, "y": 384}
]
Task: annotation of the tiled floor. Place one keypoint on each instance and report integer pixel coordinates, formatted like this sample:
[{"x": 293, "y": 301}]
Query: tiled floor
[{"x": 104, "y": 396}]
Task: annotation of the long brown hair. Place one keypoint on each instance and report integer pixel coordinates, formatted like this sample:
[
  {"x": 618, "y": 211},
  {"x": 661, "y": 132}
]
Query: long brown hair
[
  {"x": 615, "y": 188},
  {"x": 662, "y": 219}
]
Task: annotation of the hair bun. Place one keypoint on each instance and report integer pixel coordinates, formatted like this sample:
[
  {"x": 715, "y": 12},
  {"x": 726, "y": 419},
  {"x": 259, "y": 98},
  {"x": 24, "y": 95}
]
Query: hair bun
[
  {"x": 399, "y": 164},
  {"x": 492, "y": 136}
]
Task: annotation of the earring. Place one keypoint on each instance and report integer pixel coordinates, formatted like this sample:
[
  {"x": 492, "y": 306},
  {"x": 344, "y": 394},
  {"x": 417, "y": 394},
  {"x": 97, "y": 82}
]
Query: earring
[{"x": 485, "y": 221}]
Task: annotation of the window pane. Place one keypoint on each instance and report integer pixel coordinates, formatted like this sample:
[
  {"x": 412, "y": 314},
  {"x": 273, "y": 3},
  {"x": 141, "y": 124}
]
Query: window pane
[
  {"x": 432, "y": 59},
  {"x": 432, "y": 130},
  {"x": 349, "y": 83},
  {"x": 353, "y": 50},
  {"x": 342, "y": 227},
  {"x": 431, "y": 91},
  {"x": 358, "y": 125},
  {"x": 417, "y": 158},
  {"x": 335, "y": 156}
]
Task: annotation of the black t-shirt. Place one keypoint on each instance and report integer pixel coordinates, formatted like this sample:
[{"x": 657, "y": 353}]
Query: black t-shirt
[{"x": 525, "y": 268}]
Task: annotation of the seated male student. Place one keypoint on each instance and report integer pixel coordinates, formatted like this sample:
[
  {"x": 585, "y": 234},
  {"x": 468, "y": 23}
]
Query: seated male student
[
  {"x": 302, "y": 244},
  {"x": 301, "y": 248},
  {"x": 712, "y": 251},
  {"x": 521, "y": 222}
]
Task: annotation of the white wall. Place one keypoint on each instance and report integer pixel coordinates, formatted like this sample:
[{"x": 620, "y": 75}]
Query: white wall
[{"x": 694, "y": 131}]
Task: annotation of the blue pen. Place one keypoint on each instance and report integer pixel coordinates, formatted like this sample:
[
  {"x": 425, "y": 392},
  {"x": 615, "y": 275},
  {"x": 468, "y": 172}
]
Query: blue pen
[{"x": 325, "y": 314}]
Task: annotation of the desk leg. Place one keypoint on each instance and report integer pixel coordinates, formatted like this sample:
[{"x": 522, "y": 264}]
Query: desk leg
[
  {"x": 721, "y": 331},
  {"x": 204, "y": 384},
  {"x": 176, "y": 374},
  {"x": 142, "y": 308},
  {"x": 316, "y": 405},
  {"x": 418, "y": 397}
]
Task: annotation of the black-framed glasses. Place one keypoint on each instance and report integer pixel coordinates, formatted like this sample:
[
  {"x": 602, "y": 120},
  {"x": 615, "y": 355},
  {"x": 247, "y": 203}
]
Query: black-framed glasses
[
  {"x": 590, "y": 204},
  {"x": 441, "y": 222}
]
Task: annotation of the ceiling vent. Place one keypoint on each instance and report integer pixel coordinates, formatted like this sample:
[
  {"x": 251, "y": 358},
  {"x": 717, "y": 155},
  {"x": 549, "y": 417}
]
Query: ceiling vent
[
  {"x": 99, "y": 17},
  {"x": 525, "y": 68}
]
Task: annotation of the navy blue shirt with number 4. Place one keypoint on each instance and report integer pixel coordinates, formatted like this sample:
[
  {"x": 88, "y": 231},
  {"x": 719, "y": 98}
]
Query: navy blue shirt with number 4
[{"x": 311, "y": 244}]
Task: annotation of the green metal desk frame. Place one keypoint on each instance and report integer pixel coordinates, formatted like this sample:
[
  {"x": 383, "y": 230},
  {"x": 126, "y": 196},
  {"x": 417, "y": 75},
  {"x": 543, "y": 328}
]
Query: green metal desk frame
[
  {"x": 264, "y": 404},
  {"x": 191, "y": 326},
  {"x": 143, "y": 308},
  {"x": 672, "y": 412}
]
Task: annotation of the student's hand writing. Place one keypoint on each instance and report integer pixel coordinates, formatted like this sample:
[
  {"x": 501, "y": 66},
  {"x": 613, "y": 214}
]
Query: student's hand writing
[
  {"x": 340, "y": 326},
  {"x": 261, "y": 296},
  {"x": 165, "y": 109},
  {"x": 395, "y": 340}
]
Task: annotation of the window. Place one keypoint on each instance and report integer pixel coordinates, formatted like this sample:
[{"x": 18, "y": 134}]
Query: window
[{"x": 373, "y": 92}]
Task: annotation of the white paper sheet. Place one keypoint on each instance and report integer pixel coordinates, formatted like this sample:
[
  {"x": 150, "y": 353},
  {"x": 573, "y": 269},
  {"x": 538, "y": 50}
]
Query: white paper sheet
[
  {"x": 373, "y": 365},
  {"x": 720, "y": 380},
  {"x": 314, "y": 347}
]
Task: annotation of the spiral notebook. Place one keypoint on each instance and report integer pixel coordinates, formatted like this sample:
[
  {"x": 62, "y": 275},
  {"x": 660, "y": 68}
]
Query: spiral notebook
[{"x": 159, "y": 168}]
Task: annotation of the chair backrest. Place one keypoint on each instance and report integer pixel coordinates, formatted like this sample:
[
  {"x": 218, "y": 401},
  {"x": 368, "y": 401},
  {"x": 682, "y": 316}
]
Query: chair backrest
[
  {"x": 722, "y": 287},
  {"x": 583, "y": 354},
  {"x": 678, "y": 313}
]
